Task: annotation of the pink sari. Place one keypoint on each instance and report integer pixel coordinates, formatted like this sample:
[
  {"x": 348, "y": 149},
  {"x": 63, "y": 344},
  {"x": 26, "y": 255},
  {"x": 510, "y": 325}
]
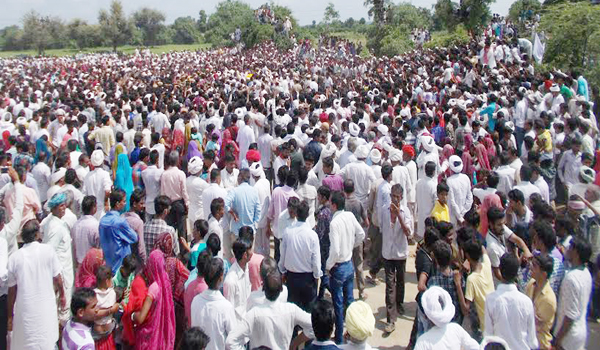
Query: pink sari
[
  {"x": 158, "y": 331},
  {"x": 482, "y": 157}
]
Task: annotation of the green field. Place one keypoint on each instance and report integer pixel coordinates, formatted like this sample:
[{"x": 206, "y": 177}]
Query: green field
[{"x": 124, "y": 49}]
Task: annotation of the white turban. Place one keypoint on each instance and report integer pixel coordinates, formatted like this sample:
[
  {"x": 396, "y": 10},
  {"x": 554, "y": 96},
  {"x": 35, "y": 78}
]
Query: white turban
[
  {"x": 354, "y": 129},
  {"x": 329, "y": 150},
  {"x": 59, "y": 174},
  {"x": 97, "y": 158},
  {"x": 256, "y": 170},
  {"x": 438, "y": 306},
  {"x": 195, "y": 165},
  {"x": 360, "y": 322},
  {"x": 395, "y": 156}
]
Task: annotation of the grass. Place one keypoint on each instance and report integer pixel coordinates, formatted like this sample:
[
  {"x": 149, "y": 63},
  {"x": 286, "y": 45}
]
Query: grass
[{"x": 128, "y": 49}]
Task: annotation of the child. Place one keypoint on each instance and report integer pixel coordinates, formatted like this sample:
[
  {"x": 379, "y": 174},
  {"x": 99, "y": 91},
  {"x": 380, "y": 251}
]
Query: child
[
  {"x": 480, "y": 283},
  {"x": 124, "y": 277},
  {"x": 197, "y": 245},
  {"x": 107, "y": 306},
  {"x": 331, "y": 180},
  {"x": 322, "y": 318},
  {"x": 440, "y": 211},
  {"x": 194, "y": 339},
  {"x": 213, "y": 144}
]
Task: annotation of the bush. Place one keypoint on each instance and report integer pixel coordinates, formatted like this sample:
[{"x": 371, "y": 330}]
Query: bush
[
  {"x": 459, "y": 36},
  {"x": 395, "y": 43}
]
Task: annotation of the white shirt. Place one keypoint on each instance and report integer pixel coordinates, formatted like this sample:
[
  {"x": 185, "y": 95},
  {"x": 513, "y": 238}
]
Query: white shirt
[
  {"x": 496, "y": 246},
  {"x": 400, "y": 175},
  {"x": 97, "y": 182},
  {"x": 32, "y": 269},
  {"x": 263, "y": 188},
  {"x": 527, "y": 188},
  {"x": 211, "y": 192},
  {"x": 245, "y": 137},
  {"x": 236, "y": 287},
  {"x": 506, "y": 175},
  {"x": 229, "y": 181},
  {"x": 363, "y": 177},
  {"x": 215, "y": 315},
  {"x": 3, "y": 266},
  {"x": 278, "y": 163},
  {"x": 344, "y": 234},
  {"x": 309, "y": 194},
  {"x": 300, "y": 251},
  {"x": 11, "y": 229},
  {"x": 411, "y": 166},
  {"x": 394, "y": 239},
  {"x": 271, "y": 325},
  {"x": 573, "y": 299},
  {"x": 42, "y": 175},
  {"x": 160, "y": 148},
  {"x": 195, "y": 187},
  {"x": 214, "y": 226},
  {"x": 481, "y": 193},
  {"x": 58, "y": 235},
  {"x": 542, "y": 185},
  {"x": 264, "y": 146},
  {"x": 426, "y": 190},
  {"x": 509, "y": 315},
  {"x": 159, "y": 121},
  {"x": 460, "y": 197},
  {"x": 151, "y": 178},
  {"x": 448, "y": 337},
  {"x": 258, "y": 298}
]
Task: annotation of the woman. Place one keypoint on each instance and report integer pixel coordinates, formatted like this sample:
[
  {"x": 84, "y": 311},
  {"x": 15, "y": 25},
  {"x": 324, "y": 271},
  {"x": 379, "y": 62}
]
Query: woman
[
  {"x": 193, "y": 150},
  {"x": 178, "y": 274},
  {"x": 491, "y": 200},
  {"x": 119, "y": 149},
  {"x": 41, "y": 145},
  {"x": 447, "y": 151},
  {"x": 86, "y": 273},
  {"x": 178, "y": 141},
  {"x": 123, "y": 178},
  {"x": 154, "y": 323},
  {"x": 228, "y": 140}
]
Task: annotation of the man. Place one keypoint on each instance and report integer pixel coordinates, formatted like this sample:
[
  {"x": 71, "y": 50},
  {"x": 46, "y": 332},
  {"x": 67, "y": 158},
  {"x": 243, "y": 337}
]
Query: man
[
  {"x": 10, "y": 230},
  {"x": 159, "y": 148},
  {"x": 55, "y": 125},
  {"x": 525, "y": 186},
  {"x": 195, "y": 186},
  {"x": 322, "y": 229},
  {"x": 344, "y": 234},
  {"x": 544, "y": 241},
  {"x": 157, "y": 226},
  {"x": 217, "y": 211},
  {"x": 354, "y": 206},
  {"x": 426, "y": 195},
  {"x": 229, "y": 174},
  {"x": 116, "y": 235},
  {"x": 213, "y": 191},
  {"x": 506, "y": 174},
  {"x": 322, "y": 319},
  {"x": 360, "y": 173},
  {"x": 139, "y": 167},
  {"x": 85, "y": 232},
  {"x": 272, "y": 324},
  {"x": 569, "y": 164},
  {"x": 264, "y": 146},
  {"x": 333, "y": 180},
  {"x": 104, "y": 135},
  {"x": 136, "y": 207},
  {"x": 307, "y": 193},
  {"x": 400, "y": 175},
  {"x": 509, "y": 314},
  {"x": 480, "y": 283},
  {"x": 301, "y": 260},
  {"x": 34, "y": 271},
  {"x": 58, "y": 236},
  {"x": 41, "y": 173},
  {"x": 396, "y": 229},
  {"x": 245, "y": 137},
  {"x": 151, "y": 179},
  {"x": 279, "y": 201},
  {"x": 97, "y": 183},
  {"x": 570, "y": 331},
  {"x": 211, "y": 311},
  {"x": 257, "y": 297},
  {"x": 444, "y": 334},
  {"x": 243, "y": 204},
  {"x": 381, "y": 199},
  {"x": 460, "y": 196},
  {"x": 77, "y": 334},
  {"x": 236, "y": 287},
  {"x": 496, "y": 238},
  {"x": 518, "y": 214},
  {"x": 360, "y": 325},
  {"x": 173, "y": 185},
  {"x": 263, "y": 188},
  {"x": 544, "y": 301},
  {"x": 283, "y": 159}
]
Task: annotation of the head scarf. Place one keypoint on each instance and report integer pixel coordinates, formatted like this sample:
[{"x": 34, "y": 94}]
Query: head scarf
[
  {"x": 176, "y": 271},
  {"x": 468, "y": 141},
  {"x": 447, "y": 151},
  {"x": 468, "y": 167},
  {"x": 228, "y": 140},
  {"x": 482, "y": 156},
  {"x": 490, "y": 146},
  {"x": 5, "y": 136},
  {"x": 57, "y": 200},
  {"x": 253, "y": 156},
  {"x": 408, "y": 149},
  {"x": 123, "y": 178},
  {"x": 86, "y": 273},
  {"x": 491, "y": 200},
  {"x": 438, "y": 306},
  {"x": 118, "y": 150},
  {"x": 193, "y": 150},
  {"x": 178, "y": 140},
  {"x": 360, "y": 322},
  {"x": 158, "y": 331},
  {"x": 164, "y": 243},
  {"x": 41, "y": 145}
]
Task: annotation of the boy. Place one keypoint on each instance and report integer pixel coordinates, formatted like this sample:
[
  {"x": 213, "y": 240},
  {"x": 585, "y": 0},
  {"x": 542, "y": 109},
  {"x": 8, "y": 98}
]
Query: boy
[
  {"x": 77, "y": 333},
  {"x": 480, "y": 283},
  {"x": 440, "y": 211},
  {"x": 333, "y": 181},
  {"x": 124, "y": 277},
  {"x": 322, "y": 318},
  {"x": 447, "y": 279}
]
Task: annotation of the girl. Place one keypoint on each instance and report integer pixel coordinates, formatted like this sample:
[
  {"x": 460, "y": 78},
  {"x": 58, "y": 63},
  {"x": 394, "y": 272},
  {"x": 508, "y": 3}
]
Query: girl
[{"x": 107, "y": 306}]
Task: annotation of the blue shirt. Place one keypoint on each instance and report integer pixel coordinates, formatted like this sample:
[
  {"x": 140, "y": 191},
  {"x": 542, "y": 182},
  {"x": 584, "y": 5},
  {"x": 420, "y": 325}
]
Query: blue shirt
[
  {"x": 489, "y": 110},
  {"x": 244, "y": 201},
  {"x": 116, "y": 236}
]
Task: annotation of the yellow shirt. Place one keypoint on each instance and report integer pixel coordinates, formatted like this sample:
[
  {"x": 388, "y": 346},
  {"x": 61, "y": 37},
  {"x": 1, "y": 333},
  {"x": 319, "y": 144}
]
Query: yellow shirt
[
  {"x": 545, "y": 309},
  {"x": 479, "y": 285},
  {"x": 546, "y": 138},
  {"x": 440, "y": 212}
]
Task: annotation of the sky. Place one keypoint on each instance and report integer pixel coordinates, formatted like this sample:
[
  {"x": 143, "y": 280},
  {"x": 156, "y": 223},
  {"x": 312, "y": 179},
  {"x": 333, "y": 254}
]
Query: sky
[{"x": 305, "y": 11}]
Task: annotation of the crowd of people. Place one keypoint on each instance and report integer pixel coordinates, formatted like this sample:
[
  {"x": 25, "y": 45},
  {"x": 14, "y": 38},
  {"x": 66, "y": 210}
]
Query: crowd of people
[{"x": 213, "y": 200}]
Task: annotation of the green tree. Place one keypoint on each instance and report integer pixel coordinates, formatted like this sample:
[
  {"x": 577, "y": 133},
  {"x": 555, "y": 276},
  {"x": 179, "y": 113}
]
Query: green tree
[
  {"x": 377, "y": 10},
  {"x": 115, "y": 27},
  {"x": 150, "y": 22},
  {"x": 445, "y": 15},
  {"x": 408, "y": 16},
  {"x": 185, "y": 31},
  {"x": 82, "y": 35},
  {"x": 524, "y": 9},
  {"x": 574, "y": 35},
  {"x": 231, "y": 15},
  {"x": 42, "y": 32},
  {"x": 202, "y": 21},
  {"x": 11, "y": 38},
  {"x": 331, "y": 15},
  {"x": 473, "y": 14}
]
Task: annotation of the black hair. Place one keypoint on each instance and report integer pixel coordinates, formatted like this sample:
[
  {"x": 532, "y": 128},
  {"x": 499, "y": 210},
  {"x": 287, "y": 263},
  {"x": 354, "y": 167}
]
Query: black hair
[
  {"x": 116, "y": 196},
  {"x": 444, "y": 228},
  {"x": 80, "y": 299},
  {"x": 430, "y": 237},
  {"x": 129, "y": 263},
  {"x": 472, "y": 217},
  {"x": 442, "y": 187},
  {"x": 282, "y": 173},
  {"x": 546, "y": 263},
  {"x": 492, "y": 179},
  {"x": 516, "y": 195},
  {"x": 443, "y": 253},
  {"x": 323, "y": 319},
  {"x": 30, "y": 230},
  {"x": 509, "y": 267},
  {"x": 194, "y": 339},
  {"x": 202, "y": 227},
  {"x": 137, "y": 196},
  {"x": 348, "y": 186},
  {"x": 213, "y": 244},
  {"x": 303, "y": 211},
  {"x": 273, "y": 285},
  {"x": 494, "y": 213},
  {"x": 325, "y": 192},
  {"x": 154, "y": 156},
  {"x": 87, "y": 204},
  {"x": 544, "y": 233},
  {"x": 472, "y": 249},
  {"x": 337, "y": 198},
  {"x": 430, "y": 168},
  {"x": 386, "y": 171},
  {"x": 161, "y": 203},
  {"x": 213, "y": 272},
  {"x": 216, "y": 205},
  {"x": 583, "y": 249},
  {"x": 103, "y": 273}
]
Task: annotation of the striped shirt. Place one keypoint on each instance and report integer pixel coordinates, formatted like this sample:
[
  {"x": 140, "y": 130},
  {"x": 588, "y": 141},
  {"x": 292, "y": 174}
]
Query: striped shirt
[{"x": 77, "y": 336}]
